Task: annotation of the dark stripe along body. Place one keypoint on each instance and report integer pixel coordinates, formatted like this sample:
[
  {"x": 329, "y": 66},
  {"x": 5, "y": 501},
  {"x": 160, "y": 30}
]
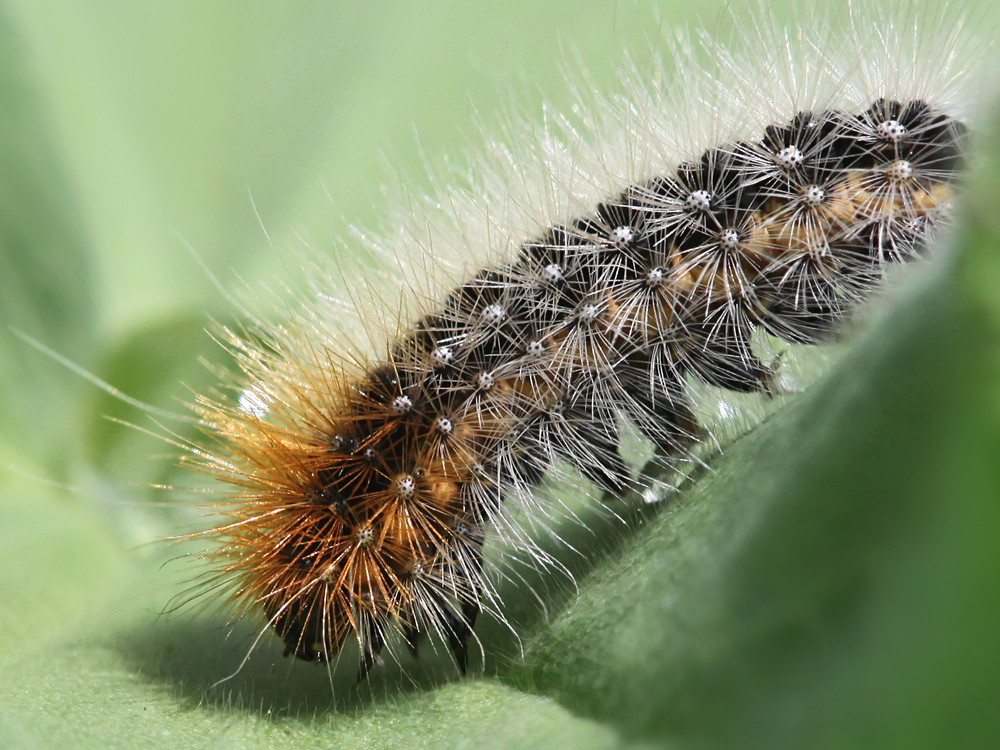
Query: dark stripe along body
[{"x": 378, "y": 521}]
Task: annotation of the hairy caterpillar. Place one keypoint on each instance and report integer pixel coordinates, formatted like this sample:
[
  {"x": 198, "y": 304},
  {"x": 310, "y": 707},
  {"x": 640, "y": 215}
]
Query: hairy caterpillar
[{"x": 617, "y": 263}]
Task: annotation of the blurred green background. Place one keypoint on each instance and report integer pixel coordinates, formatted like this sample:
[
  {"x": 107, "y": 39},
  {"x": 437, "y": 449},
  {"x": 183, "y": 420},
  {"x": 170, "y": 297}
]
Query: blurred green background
[{"x": 833, "y": 582}]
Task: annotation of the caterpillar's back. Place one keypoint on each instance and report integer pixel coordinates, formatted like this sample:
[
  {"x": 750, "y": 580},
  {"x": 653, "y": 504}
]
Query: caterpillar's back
[{"x": 615, "y": 260}]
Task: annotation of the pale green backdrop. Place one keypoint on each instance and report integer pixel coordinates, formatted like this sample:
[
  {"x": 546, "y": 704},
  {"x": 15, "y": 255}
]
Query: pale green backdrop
[{"x": 833, "y": 582}]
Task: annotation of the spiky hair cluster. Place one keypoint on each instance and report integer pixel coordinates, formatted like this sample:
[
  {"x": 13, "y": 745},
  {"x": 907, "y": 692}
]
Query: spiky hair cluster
[{"x": 617, "y": 262}]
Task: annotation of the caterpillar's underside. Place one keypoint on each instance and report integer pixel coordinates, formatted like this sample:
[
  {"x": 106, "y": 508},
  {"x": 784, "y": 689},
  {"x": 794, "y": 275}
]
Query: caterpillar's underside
[{"x": 374, "y": 518}]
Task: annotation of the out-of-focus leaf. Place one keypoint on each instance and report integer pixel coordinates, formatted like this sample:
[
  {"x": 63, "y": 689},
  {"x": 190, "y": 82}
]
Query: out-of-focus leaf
[
  {"x": 162, "y": 365},
  {"x": 45, "y": 287},
  {"x": 193, "y": 118}
]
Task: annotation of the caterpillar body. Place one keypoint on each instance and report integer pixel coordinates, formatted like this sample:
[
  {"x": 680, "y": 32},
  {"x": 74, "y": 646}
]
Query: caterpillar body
[{"x": 368, "y": 491}]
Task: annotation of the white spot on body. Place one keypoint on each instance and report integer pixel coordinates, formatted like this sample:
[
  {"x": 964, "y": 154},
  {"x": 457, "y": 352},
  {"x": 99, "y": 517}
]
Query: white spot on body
[
  {"x": 401, "y": 404},
  {"x": 891, "y": 130},
  {"x": 442, "y": 356},
  {"x": 814, "y": 195},
  {"x": 485, "y": 380},
  {"x": 365, "y": 537},
  {"x": 590, "y": 312},
  {"x": 655, "y": 277},
  {"x": 493, "y": 313},
  {"x": 406, "y": 486},
  {"x": 444, "y": 426},
  {"x": 552, "y": 273},
  {"x": 622, "y": 235},
  {"x": 699, "y": 200},
  {"x": 790, "y": 157},
  {"x": 537, "y": 348},
  {"x": 730, "y": 239},
  {"x": 899, "y": 171}
]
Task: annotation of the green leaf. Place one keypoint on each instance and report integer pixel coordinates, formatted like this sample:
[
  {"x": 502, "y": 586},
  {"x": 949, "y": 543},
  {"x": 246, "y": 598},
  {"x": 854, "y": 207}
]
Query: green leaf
[
  {"x": 91, "y": 696},
  {"x": 60, "y": 562},
  {"x": 163, "y": 365},
  {"x": 832, "y": 581},
  {"x": 45, "y": 287}
]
